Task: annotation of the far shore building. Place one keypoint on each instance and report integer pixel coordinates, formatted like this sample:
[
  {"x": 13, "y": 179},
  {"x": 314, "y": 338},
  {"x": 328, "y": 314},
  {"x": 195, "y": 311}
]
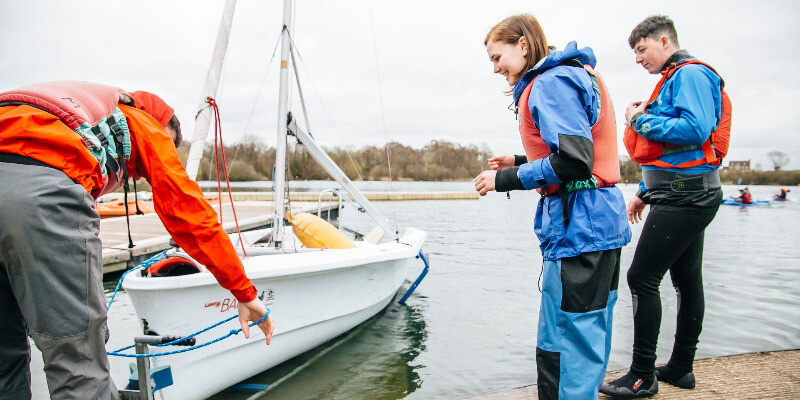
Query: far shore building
[{"x": 738, "y": 165}]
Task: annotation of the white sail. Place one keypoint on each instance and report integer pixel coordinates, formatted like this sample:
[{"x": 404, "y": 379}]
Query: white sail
[{"x": 203, "y": 116}]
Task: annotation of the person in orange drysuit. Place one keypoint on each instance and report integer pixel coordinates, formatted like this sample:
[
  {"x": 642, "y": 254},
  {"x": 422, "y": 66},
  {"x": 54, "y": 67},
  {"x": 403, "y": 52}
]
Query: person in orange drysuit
[{"x": 51, "y": 263}]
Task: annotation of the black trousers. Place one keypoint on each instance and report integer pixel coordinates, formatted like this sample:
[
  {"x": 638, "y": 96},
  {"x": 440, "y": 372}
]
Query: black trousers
[{"x": 672, "y": 240}]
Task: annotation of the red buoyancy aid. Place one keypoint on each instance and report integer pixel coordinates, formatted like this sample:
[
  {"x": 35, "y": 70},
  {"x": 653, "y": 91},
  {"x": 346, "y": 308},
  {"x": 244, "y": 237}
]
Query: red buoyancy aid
[
  {"x": 605, "y": 167},
  {"x": 646, "y": 152},
  {"x": 80, "y": 106}
]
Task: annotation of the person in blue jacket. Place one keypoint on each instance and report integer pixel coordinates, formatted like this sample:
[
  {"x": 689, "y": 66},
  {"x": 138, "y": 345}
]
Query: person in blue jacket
[
  {"x": 683, "y": 202},
  {"x": 569, "y": 135}
]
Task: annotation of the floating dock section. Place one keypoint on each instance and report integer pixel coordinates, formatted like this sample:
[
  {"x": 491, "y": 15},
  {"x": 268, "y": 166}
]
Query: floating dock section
[
  {"x": 753, "y": 376},
  {"x": 150, "y": 236}
]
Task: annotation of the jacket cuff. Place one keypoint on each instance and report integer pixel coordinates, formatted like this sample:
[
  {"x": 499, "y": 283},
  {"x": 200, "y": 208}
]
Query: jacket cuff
[
  {"x": 245, "y": 295},
  {"x": 537, "y": 173},
  {"x": 519, "y": 160},
  {"x": 507, "y": 180},
  {"x": 634, "y": 118}
]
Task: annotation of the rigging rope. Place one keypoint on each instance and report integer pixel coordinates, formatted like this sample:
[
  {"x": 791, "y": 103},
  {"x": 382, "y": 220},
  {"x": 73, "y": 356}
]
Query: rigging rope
[
  {"x": 261, "y": 87},
  {"x": 324, "y": 108},
  {"x": 383, "y": 112},
  {"x": 218, "y": 144}
]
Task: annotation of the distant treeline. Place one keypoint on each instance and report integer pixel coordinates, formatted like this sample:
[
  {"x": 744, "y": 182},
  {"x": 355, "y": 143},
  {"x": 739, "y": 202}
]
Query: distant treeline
[
  {"x": 632, "y": 172},
  {"x": 777, "y": 178},
  {"x": 439, "y": 160}
]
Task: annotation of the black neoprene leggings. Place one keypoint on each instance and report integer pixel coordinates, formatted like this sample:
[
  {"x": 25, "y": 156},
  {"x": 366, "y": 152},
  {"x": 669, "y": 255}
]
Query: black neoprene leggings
[{"x": 670, "y": 240}]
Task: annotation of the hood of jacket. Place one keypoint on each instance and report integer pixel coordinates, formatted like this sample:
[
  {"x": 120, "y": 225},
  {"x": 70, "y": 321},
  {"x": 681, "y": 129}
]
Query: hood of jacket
[{"x": 584, "y": 56}]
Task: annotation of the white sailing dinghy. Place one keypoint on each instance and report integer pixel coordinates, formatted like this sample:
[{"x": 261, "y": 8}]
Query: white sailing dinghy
[{"x": 314, "y": 295}]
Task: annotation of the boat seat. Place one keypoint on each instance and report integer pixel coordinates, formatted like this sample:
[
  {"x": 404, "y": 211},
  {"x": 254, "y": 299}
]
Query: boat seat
[{"x": 173, "y": 266}]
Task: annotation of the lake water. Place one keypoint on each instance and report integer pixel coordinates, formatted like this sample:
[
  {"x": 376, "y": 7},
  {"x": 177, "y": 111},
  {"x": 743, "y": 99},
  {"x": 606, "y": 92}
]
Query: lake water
[{"x": 470, "y": 328}]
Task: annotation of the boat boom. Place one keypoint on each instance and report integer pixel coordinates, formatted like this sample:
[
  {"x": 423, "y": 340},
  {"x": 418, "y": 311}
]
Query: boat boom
[{"x": 337, "y": 174}]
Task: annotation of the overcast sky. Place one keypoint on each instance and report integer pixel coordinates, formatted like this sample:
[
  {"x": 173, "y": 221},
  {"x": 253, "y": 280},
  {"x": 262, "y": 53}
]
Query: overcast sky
[{"x": 406, "y": 71}]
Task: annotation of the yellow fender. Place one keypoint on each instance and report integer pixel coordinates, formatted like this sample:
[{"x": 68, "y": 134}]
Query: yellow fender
[{"x": 316, "y": 233}]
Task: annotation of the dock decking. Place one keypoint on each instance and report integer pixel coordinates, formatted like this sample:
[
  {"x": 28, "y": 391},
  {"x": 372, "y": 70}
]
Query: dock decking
[
  {"x": 150, "y": 236},
  {"x": 752, "y": 376}
]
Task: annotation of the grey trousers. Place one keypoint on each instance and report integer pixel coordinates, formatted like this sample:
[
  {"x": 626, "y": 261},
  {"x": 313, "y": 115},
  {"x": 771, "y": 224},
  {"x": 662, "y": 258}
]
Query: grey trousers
[{"x": 51, "y": 285}]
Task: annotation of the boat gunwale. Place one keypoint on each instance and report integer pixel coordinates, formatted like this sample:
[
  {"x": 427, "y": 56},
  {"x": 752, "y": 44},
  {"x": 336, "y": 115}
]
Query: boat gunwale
[{"x": 309, "y": 263}]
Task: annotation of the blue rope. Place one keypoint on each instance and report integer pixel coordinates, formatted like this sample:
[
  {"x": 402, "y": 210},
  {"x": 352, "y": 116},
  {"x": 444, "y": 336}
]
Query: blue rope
[
  {"x": 232, "y": 332},
  {"x": 145, "y": 265}
]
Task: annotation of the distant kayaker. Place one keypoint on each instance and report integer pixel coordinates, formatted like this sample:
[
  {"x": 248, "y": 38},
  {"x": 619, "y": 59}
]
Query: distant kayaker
[
  {"x": 682, "y": 185},
  {"x": 782, "y": 195},
  {"x": 744, "y": 196},
  {"x": 62, "y": 145},
  {"x": 569, "y": 135}
]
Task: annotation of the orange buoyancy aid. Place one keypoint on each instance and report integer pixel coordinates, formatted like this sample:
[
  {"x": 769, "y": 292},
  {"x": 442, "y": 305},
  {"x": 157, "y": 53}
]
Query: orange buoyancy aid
[
  {"x": 90, "y": 111},
  {"x": 646, "y": 152},
  {"x": 605, "y": 166}
]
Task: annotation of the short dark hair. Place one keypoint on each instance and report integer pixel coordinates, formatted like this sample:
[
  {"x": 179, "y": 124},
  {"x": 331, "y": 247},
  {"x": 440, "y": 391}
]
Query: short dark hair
[
  {"x": 653, "y": 27},
  {"x": 176, "y": 126}
]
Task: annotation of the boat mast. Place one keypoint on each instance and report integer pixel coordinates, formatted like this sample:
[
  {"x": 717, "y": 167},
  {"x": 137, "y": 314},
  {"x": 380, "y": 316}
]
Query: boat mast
[
  {"x": 203, "y": 119},
  {"x": 283, "y": 121}
]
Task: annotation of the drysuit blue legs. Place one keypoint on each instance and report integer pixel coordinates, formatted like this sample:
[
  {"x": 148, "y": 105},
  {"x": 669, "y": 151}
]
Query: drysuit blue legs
[{"x": 574, "y": 340}]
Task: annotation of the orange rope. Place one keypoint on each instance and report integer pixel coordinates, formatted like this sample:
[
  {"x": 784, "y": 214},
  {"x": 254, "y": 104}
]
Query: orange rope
[{"x": 219, "y": 145}]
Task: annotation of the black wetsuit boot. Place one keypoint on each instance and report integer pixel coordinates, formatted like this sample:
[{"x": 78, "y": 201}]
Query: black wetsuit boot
[{"x": 631, "y": 386}]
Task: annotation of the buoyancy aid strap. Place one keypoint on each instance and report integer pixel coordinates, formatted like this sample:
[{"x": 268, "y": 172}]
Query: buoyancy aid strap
[
  {"x": 111, "y": 164},
  {"x": 565, "y": 188},
  {"x": 708, "y": 151},
  {"x": 590, "y": 183},
  {"x": 662, "y": 164},
  {"x": 679, "y": 182},
  {"x": 100, "y": 136},
  {"x": 23, "y": 160},
  {"x": 118, "y": 134},
  {"x": 136, "y": 199},
  {"x": 709, "y": 156},
  {"x": 680, "y": 149},
  {"x": 563, "y": 194}
]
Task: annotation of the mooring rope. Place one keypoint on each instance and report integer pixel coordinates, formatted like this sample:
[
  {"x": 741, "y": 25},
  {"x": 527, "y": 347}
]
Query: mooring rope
[{"x": 144, "y": 266}]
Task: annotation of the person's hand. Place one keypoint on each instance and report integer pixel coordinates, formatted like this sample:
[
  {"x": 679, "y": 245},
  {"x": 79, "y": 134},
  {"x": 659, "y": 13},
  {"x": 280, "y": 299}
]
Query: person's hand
[
  {"x": 501, "y": 162},
  {"x": 253, "y": 311},
  {"x": 633, "y": 108},
  {"x": 484, "y": 182},
  {"x": 635, "y": 208}
]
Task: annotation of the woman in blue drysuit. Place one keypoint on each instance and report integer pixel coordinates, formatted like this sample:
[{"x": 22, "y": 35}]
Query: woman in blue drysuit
[{"x": 568, "y": 131}]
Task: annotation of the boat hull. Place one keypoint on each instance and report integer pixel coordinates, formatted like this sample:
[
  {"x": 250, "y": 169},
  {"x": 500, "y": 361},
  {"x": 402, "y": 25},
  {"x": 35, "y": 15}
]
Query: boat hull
[{"x": 313, "y": 297}]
